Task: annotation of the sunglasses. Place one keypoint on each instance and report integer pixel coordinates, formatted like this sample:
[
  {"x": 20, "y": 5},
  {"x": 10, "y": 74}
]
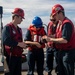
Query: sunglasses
[{"x": 52, "y": 19}]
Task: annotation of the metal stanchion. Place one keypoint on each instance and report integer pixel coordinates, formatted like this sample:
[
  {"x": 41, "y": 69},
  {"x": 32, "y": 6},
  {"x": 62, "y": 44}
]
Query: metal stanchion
[
  {"x": 6, "y": 69},
  {"x": 1, "y": 12}
]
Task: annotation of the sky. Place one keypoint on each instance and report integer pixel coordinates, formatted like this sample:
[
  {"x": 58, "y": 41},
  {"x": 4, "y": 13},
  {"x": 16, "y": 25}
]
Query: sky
[{"x": 32, "y": 8}]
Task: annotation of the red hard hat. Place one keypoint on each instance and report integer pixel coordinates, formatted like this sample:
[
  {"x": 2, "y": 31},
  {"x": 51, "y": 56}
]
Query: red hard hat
[
  {"x": 56, "y": 8},
  {"x": 18, "y": 11}
]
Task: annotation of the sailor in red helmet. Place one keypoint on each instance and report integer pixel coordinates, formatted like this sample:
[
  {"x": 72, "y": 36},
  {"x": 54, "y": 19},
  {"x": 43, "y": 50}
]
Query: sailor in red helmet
[
  {"x": 64, "y": 41},
  {"x": 35, "y": 48},
  {"x": 13, "y": 42},
  {"x": 51, "y": 50}
]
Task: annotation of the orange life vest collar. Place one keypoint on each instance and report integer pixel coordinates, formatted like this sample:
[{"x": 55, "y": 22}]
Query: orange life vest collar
[{"x": 39, "y": 33}]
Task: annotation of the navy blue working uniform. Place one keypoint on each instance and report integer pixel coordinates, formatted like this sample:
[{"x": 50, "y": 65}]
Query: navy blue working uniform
[
  {"x": 13, "y": 42},
  {"x": 35, "y": 46},
  {"x": 14, "y": 62},
  {"x": 50, "y": 49},
  {"x": 64, "y": 41},
  {"x": 35, "y": 57},
  {"x": 63, "y": 56}
]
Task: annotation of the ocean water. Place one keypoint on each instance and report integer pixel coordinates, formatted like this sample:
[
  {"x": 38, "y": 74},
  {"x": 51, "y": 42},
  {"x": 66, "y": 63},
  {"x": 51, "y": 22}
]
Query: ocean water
[{"x": 24, "y": 30}]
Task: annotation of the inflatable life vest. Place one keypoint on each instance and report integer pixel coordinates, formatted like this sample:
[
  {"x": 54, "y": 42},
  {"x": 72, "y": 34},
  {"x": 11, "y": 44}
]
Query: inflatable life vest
[
  {"x": 36, "y": 36},
  {"x": 51, "y": 31},
  {"x": 17, "y": 36},
  {"x": 70, "y": 44}
]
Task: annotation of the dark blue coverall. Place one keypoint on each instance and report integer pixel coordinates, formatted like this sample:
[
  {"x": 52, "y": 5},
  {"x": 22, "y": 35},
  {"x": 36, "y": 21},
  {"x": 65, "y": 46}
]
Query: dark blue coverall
[
  {"x": 50, "y": 52},
  {"x": 34, "y": 57},
  {"x": 66, "y": 58},
  {"x": 14, "y": 63}
]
